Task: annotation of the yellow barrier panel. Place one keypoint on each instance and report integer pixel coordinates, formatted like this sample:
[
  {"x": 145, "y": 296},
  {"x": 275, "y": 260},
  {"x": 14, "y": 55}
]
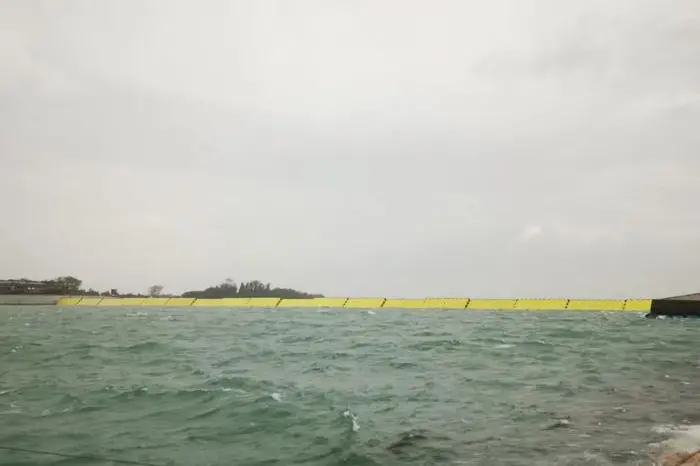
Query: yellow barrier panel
[
  {"x": 639, "y": 305},
  {"x": 301, "y": 302},
  {"x": 446, "y": 303},
  {"x": 491, "y": 304},
  {"x": 89, "y": 301},
  {"x": 542, "y": 304},
  {"x": 235, "y": 302},
  {"x": 206, "y": 302},
  {"x": 180, "y": 302},
  {"x": 111, "y": 302},
  {"x": 330, "y": 302},
  {"x": 122, "y": 301},
  {"x": 155, "y": 301},
  {"x": 364, "y": 303},
  {"x": 596, "y": 304},
  {"x": 264, "y": 302},
  {"x": 68, "y": 301},
  {"x": 132, "y": 301},
  {"x": 223, "y": 302},
  {"x": 395, "y": 303}
]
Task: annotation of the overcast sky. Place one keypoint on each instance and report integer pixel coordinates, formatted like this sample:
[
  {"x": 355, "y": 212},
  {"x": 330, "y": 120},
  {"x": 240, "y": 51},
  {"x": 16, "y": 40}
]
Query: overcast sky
[{"x": 409, "y": 148}]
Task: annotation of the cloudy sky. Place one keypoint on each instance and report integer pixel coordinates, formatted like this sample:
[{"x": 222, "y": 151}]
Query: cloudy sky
[{"x": 370, "y": 147}]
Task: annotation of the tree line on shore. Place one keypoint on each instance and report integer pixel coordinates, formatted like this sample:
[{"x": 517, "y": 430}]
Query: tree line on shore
[{"x": 69, "y": 285}]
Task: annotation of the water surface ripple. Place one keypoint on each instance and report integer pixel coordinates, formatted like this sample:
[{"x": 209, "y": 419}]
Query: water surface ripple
[{"x": 305, "y": 387}]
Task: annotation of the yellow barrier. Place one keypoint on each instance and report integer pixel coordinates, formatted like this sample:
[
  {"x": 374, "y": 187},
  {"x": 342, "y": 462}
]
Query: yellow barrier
[
  {"x": 89, "y": 301},
  {"x": 292, "y": 302},
  {"x": 395, "y": 303},
  {"x": 122, "y": 301},
  {"x": 111, "y": 302},
  {"x": 446, "y": 303},
  {"x": 180, "y": 302},
  {"x": 68, "y": 301},
  {"x": 223, "y": 302},
  {"x": 264, "y": 302},
  {"x": 205, "y": 302},
  {"x": 596, "y": 304},
  {"x": 155, "y": 301},
  {"x": 364, "y": 303},
  {"x": 639, "y": 305},
  {"x": 330, "y": 302},
  {"x": 542, "y": 304},
  {"x": 132, "y": 301},
  {"x": 491, "y": 304}
]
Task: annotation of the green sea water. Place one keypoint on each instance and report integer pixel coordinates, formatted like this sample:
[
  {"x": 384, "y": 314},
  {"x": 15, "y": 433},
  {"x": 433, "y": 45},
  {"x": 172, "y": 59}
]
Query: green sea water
[{"x": 343, "y": 387}]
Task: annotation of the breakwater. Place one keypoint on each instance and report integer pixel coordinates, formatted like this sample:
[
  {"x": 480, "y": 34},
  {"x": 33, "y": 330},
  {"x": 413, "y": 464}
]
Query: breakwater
[{"x": 518, "y": 304}]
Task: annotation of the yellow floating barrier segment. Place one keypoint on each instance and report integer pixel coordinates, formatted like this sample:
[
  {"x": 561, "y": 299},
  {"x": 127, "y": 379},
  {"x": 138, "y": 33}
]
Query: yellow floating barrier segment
[
  {"x": 520, "y": 304},
  {"x": 89, "y": 301},
  {"x": 364, "y": 303},
  {"x": 637, "y": 305},
  {"x": 155, "y": 301},
  {"x": 492, "y": 304},
  {"x": 222, "y": 302},
  {"x": 541, "y": 304},
  {"x": 330, "y": 302},
  {"x": 122, "y": 301},
  {"x": 180, "y": 302},
  {"x": 69, "y": 301},
  {"x": 446, "y": 303},
  {"x": 264, "y": 302},
  {"x": 397, "y": 303},
  {"x": 297, "y": 302},
  {"x": 596, "y": 304}
]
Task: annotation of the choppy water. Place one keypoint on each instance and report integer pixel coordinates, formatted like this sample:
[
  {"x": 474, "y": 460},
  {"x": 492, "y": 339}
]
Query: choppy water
[{"x": 303, "y": 387}]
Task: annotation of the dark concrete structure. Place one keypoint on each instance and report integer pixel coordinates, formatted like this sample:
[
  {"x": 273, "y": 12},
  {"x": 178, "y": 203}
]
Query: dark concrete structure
[{"x": 687, "y": 305}]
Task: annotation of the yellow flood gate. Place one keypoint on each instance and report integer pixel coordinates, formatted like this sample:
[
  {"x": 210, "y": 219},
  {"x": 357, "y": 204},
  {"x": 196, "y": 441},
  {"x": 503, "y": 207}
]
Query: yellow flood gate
[
  {"x": 491, "y": 304},
  {"x": 394, "y": 303},
  {"x": 542, "y": 304},
  {"x": 364, "y": 303},
  {"x": 122, "y": 301},
  {"x": 300, "y": 302},
  {"x": 222, "y": 302},
  {"x": 155, "y": 301},
  {"x": 68, "y": 301},
  {"x": 446, "y": 303},
  {"x": 180, "y": 302},
  {"x": 330, "y": 302},
  {"x": 264, "y": 302},
  {"x": 521, "y": 304},
  {"x": 89, "y": 301},
  {"x": 639, "y": 305},
  {"x": 596, "y": 304}
]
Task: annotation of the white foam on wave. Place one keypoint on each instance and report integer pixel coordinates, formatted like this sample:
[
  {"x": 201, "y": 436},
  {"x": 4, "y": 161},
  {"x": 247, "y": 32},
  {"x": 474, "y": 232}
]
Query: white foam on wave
[
  {"x": 354, "y": 418},
  {"x": 276, "y": 396},
  {"x": 680, "y": 438}
]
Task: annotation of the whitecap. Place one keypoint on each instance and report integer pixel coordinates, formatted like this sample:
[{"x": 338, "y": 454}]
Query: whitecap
[
  {"x": 355, "y": 420},
  {"x": 681, "y": 438},
  {"x": 276, "y": 396}
]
